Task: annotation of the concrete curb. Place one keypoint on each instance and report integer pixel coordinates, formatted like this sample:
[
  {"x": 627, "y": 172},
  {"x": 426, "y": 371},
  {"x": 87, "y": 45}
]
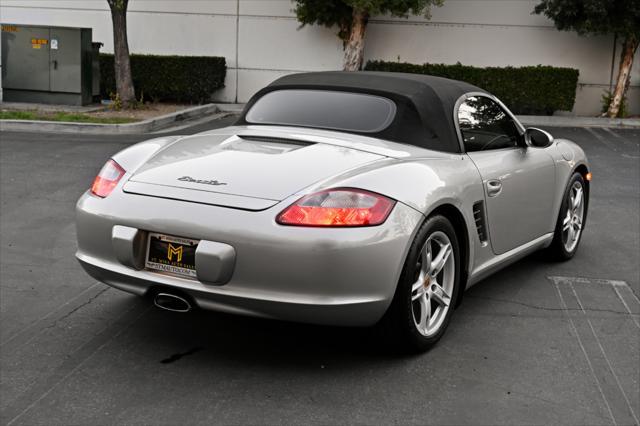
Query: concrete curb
[
  {"x": 146, "y": 126},
  {"x": 560, "y": 121},
  {"x": 162, "y": 122},
  {"x": 531, "y": 120},
  {"x": 231, "y": 108}
]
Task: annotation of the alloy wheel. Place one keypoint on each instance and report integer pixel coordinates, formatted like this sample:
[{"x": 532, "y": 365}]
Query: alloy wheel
[
  {"x": 572, "y": 222},
  {"x": 433, "y": 286}
]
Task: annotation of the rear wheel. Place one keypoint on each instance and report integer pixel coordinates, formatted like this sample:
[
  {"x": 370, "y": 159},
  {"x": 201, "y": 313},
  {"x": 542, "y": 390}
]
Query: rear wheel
[
  {"x": 570, "y": 221},
  {"x": 428, "y": 287}
]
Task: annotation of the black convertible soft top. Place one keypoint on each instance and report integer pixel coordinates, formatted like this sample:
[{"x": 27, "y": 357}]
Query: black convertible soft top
[{"x": 424, "y": 103}]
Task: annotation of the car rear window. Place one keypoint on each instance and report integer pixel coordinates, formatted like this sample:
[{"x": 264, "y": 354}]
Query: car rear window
[{"x": 348, "y": 111}]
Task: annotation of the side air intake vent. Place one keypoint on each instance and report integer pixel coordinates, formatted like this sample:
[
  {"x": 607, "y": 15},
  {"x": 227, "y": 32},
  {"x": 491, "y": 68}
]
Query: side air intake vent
[{"x": 478, "y": 216}]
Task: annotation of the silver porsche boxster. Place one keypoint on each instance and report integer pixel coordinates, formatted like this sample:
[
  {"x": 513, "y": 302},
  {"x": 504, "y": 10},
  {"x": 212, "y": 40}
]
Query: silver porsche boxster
[{"x": 336, "y": 198}]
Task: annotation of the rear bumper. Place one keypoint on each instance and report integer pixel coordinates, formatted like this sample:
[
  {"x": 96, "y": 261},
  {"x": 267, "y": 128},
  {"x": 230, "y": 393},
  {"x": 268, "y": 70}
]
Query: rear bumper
[
  {"x": 319, "y": 310},
  {"x": 323, "y": 276}
]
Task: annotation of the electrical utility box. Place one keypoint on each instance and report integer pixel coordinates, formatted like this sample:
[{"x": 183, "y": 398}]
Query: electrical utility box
[{"x": 52, "y": 65}]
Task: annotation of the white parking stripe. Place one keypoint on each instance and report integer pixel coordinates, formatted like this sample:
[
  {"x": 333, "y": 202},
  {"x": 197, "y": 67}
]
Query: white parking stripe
[
  {"x": 584, "y": 351},
  {"x": 59, "y": 311},
  {"x": 604, "y": 353},
  {"x": 622, "y": 138},
  {"x": 627, "y": 143},
  {"x": 602, "y": 139},
  {"x": 634, "y": 315},
  {"x": 591, "y": 345}
]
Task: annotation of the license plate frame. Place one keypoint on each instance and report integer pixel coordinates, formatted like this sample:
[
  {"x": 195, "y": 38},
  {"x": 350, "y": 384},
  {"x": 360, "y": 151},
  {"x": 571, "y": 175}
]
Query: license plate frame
[{"x": 170, "y": 254}]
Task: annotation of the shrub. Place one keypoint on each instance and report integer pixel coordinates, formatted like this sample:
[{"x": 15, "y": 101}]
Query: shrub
[
  {"x": 168, "y": 78},
  {"x": 525, "y": 90},
  {"x": 606, "y": 98}
]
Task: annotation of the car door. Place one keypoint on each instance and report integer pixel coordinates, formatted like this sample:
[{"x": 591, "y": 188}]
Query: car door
[{"x": 518, "y": 180}]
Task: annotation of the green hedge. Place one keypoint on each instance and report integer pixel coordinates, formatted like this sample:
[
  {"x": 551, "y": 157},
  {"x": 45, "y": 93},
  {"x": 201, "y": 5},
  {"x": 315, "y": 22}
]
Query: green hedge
[
  {"x": 525, "y": 90},
  {"x": 168, "y": 78}
]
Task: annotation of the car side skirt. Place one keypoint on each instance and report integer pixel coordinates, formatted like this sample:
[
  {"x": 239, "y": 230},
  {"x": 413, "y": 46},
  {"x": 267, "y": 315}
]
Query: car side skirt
[{"x": 496, "y": 263}]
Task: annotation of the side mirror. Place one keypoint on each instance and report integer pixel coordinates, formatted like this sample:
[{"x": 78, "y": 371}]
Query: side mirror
[{"x": 538, "y": 137}]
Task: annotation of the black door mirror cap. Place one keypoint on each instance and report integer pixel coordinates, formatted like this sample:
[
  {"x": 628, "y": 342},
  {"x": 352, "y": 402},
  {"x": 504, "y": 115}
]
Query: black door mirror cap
[{"x": 538, "y": 138}]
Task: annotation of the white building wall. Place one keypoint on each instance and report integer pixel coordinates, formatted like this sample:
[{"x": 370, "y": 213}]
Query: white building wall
[{"x": 261, "y": 39}]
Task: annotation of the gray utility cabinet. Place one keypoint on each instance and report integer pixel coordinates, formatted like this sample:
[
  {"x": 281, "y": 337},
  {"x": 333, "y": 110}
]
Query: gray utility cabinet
[{"x": 51, "y": 65}]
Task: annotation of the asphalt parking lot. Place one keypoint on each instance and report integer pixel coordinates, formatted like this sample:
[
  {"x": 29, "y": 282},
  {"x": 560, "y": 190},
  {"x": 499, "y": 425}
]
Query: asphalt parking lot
[{"x": 538, "y": 343}]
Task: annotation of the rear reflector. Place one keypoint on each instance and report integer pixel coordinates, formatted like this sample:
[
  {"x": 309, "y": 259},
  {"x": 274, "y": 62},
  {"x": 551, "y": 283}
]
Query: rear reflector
[
  {"x": 107, "y": 179},
  {"x": 337, "y": 208}
]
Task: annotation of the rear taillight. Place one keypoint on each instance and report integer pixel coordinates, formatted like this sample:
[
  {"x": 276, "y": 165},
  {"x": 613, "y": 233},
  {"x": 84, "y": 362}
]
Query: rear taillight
[
  {"x": 107, "y": 179},
  {"x": 338, "y": 207}
]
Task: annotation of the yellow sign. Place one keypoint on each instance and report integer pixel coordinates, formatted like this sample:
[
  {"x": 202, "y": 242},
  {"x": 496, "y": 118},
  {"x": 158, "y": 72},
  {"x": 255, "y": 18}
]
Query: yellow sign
[
  {"x": 36, "y": 43},
  {"x": 10, "y": 28},
  {"x": 174, "y": 250}
]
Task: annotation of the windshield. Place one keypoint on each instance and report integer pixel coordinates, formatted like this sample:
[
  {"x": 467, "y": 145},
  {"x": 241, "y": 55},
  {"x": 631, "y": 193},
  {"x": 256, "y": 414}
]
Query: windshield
[{"x": 347, "y": 111}]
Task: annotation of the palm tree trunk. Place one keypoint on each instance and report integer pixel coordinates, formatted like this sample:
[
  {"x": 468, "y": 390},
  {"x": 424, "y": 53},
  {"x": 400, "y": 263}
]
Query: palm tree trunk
[
  {"x": 124, "y": 80},
  {"x": 354, "y": 49},
  {"x": 629, "y": 48}
]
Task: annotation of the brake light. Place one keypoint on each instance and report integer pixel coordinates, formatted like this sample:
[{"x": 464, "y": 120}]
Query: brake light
[
  {"x": 107, "y": 179},
  {"x": 338, "y": 207}
]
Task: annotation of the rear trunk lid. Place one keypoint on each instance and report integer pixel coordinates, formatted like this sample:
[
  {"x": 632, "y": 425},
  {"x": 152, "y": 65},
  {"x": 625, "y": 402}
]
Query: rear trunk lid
[{"x": 247, "y": 172}]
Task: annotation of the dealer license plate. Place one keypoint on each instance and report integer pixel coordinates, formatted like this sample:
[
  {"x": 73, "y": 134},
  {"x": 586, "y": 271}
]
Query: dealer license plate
[{"x": 175, "y": 255}]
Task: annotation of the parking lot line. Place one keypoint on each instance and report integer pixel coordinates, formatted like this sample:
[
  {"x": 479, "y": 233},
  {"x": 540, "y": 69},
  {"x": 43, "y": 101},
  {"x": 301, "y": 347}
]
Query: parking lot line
[
  {"x": 629, "y": 143},
  {"x": 592, "y": 348},
  {"x": 25, "y": 335},
  {"x": 43, "y": 387},
  {"x": 604, "y": 353},
  {"x": 602, "y": 139},
  {"x": 634, "y": 315},
  {"x": 586, "y": 355},
  {"x": 612, "y": 145}
]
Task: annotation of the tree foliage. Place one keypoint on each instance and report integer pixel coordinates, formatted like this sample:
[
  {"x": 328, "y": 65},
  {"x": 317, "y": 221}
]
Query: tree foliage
[
  {"x": 325, "y": 13},
  {"x": 339, "y": 13},
  {"x": 120, "y": 5},
  {"x": 351, "y": 18},
  {"x": 620, "y": 17}
]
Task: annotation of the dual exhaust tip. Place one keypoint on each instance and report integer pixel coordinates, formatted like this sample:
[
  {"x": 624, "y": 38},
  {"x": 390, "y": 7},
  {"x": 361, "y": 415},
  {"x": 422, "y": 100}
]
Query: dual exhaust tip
[{"x": 172, "y": 302}]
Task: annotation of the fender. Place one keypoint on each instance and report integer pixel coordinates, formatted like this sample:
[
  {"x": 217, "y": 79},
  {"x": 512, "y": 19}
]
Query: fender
[
  {"x": 453, "y": 180},
  {"x": 134, "y": 156}
]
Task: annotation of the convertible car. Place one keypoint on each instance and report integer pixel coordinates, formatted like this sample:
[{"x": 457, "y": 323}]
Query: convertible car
[{"x": 337, "y": 198}]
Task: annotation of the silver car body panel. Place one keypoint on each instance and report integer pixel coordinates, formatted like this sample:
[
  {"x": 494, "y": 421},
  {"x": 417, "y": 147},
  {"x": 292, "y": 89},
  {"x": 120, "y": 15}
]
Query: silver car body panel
[
  {"x": 287, "y": 268},
  {"x": 266, "y": 168},
  {"x": 341, "y": 276},
  {"x": 517, "y": 210}
]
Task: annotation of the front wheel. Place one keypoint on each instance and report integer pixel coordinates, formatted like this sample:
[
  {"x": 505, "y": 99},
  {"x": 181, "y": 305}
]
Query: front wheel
[
  {"x": 570, "y": 221},
  {"x": 428, "y": 287}
]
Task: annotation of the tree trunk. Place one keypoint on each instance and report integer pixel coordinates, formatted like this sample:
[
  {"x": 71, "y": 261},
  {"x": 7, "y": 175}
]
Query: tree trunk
[
  {"x": 624, "y": 75},
  {"x": 354, "y": 49},
  {"x": 124, "y": 81}
]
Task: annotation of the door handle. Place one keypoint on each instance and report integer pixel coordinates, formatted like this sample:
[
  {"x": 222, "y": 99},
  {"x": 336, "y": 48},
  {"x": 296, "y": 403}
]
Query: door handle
[
  {"x": 55, "y": 64},
  {"x": 494, "y": 187}
]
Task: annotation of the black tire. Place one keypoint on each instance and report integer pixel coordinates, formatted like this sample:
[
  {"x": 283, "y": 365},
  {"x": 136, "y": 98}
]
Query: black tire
[
  {"x": 397, "y": 326},
  {"x": 557, "y": 250}
]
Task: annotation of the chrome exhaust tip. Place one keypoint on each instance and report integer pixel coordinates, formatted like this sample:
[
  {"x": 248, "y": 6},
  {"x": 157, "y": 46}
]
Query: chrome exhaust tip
[{"x": 171, "y": 302}]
